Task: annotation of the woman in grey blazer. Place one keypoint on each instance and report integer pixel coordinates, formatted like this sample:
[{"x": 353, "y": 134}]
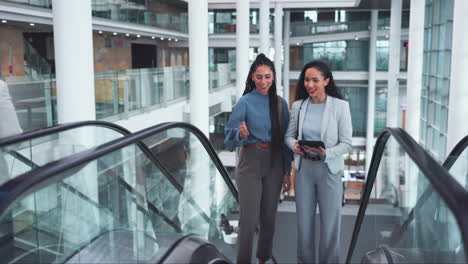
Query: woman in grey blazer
[{"x": 319, "y": 114}]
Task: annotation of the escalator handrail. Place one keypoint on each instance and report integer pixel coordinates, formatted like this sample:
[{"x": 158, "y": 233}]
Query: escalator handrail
[
  {"x": 447, "y": 164},
  {"x": 451, "y": 192},
  {"x": 124, "y": 184},
  {"x": 13, "y": 189},
  {"x": 60, "y": 128},
  {"x": 69, "y": 126}
]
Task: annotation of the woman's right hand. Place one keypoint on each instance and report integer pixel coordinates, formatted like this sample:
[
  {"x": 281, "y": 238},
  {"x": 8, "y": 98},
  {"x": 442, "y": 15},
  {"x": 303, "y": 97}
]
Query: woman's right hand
[
  {"x": 297, "y": 149},
  {"x": 243, "y": 131}
]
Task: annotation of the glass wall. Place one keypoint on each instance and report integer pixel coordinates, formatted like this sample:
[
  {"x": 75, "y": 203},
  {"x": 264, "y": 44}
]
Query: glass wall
[
  {"x": 224, "y": 21},
  {"x": 357, "y": 99},
  {"x": 384, "y": 19},
  {"x": 436, "y": 75},
  {"x": 343, "y": 55},
  {"x": 346, "y": 55},
  {"x": 167, "y": 14},
  {"x": 310, "y": 22},
  {"x": 355, "y": 92}
]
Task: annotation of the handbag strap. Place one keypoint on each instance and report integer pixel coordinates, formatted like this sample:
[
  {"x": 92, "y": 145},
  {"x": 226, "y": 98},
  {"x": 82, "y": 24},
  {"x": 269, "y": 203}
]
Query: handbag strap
[{"x": 298, "y": 115}]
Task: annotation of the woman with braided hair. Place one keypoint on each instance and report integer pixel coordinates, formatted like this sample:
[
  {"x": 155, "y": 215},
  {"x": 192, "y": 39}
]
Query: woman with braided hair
[{"x": 257, "y": 126}]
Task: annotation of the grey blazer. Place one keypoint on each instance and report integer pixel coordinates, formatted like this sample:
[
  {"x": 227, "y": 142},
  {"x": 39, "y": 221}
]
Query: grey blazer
[{"x": 336, "y": 131}]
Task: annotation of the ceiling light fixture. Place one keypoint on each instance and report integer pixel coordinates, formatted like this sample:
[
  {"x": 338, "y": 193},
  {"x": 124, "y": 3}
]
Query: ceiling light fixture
[
  {"x": 153, "y": 37},
  {"x": 176, "y": 40},
  {"x": 115, "y": 33},
  {"x": 169, "y": 39},
  {"x": 4, "y": 21},
  {"x": 127, "y": 35},
  {"x": 100, "y": 32},
  {"x": 162, "y": 38},
  {"x": 138, "y": 36},
  {"x": 32, "y": 24}
]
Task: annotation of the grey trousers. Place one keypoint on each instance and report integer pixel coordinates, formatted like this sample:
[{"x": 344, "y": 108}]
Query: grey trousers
[
  {"x": 259, "y": 180},
  {"x": 316, "y": 185}
]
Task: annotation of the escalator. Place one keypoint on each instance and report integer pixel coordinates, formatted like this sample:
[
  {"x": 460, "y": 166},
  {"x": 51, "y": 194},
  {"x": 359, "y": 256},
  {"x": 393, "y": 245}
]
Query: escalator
[
  {"x": 155, "y": 196},
  {"x": 73, "y": 195},
  {"x": 422, "y": 205}
]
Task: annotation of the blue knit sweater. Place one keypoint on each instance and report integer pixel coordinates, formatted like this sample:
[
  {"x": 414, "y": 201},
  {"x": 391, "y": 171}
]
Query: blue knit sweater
[{"x": 253, "y": 108}]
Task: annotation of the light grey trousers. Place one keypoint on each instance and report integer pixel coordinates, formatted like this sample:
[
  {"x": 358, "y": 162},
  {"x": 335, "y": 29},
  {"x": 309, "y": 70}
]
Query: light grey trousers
[
  {"x": 316, "y": 185},
  {"x": 258, "y": 179}
]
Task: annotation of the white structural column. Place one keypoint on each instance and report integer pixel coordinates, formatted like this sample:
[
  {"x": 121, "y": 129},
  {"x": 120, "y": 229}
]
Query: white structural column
[
  {"x": 198, "y": 56},
  {"x": 73, "y": 41},
  {"x": 242, "y": 45},
  {"x": 278, "y": 45},
  {"x": 265, "y": 27},
  {"x": 413, "y": 94},
  {"x": 287, "y": 24},
  {"x": 415, "y": 68},
  {"x": 458, "y": 98},
  {"x": 371, "y": 91},
  {"x": 392, "y": 183},
  {"x": 394, "y": 64}
]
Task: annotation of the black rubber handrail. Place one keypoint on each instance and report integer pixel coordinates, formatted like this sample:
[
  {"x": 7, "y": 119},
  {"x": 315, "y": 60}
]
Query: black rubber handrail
[
  {"x": 122, "y": 182},
  {"x": 69, "y": 126},
  {"x": 448, "y": 163},
  {"x": 60, "y": 128},
  {"x": 451, "y": 192},
  {"x": 13, "y": 189}
]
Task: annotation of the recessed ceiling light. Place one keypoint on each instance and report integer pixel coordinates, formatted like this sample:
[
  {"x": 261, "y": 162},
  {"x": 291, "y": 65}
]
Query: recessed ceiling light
[
  {"x": 32, "y": 24},
  {"x": 127, "y": 34},
  {"x": 100, "y": 32},
  {"x": 386, "y": 36},
  {"x": 356, "y": 38},
  {"x": 115, "y": 33},
  {"x": 176, "y": 40},
  {"x": 162, "y": 38},
  {"x": 298, "y": 43},
  {"x": 4, "y": 21},
  {"x": 138, "y": 36},
  {"x": 153, "y": 37},
  {"x": 169, "y": 39}
]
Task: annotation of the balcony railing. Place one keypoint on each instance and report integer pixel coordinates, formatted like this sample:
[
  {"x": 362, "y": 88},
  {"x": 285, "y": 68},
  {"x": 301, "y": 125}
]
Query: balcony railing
[{"x": 119, "y": 94}]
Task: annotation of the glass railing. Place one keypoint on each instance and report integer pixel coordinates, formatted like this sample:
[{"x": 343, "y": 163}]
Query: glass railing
[
  {"x": 222, "y": 78},
  {"x": 22, "y": 153},
  {"x": 171, "y": 17},
  {"x": 421, "y": 215},
  {"x": 307, "y": 28},
  {"x": 118, "y": 93},
  {"x": 119, "y": 204}
]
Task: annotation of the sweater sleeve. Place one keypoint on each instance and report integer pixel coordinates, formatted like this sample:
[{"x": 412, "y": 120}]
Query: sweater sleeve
[{"x": 231, "y": 131}]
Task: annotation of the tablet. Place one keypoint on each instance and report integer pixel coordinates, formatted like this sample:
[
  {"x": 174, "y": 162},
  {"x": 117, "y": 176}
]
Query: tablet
[{"x": 312, "y": 143}]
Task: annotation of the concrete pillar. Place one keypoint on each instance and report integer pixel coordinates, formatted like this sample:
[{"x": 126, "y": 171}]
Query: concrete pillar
[
  {"x": 73, "y": 41},
  {"x": 242, "y": 45},
  {"x": 371, "y": 91},
  {"x": 457, "y": 126},
  {"x": 198, "y": 52},
  {"x": 287, "y": 16},
  {"x": 413, "y": 93},
  {"x": 265, "y": 27},
  {"x": 278, "y": 45},
  {"x": 394, "y": 64},
  {"x": 392, "y": 183}
]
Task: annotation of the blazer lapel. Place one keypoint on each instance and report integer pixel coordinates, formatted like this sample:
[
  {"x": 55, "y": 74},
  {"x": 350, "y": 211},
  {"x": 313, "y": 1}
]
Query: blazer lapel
[
  {"x": 326, "y": 116},
  {"x": 302, "y": 117}
]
